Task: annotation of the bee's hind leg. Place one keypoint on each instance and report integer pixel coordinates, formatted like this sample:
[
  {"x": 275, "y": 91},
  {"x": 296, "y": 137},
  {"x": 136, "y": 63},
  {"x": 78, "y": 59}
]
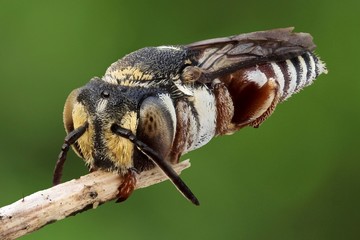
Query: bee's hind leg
[{"x": 127, "y": 186}]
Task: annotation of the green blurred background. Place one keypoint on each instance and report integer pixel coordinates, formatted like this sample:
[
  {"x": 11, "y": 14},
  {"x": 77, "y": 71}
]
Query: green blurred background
[{"x": 296, "y": 177}]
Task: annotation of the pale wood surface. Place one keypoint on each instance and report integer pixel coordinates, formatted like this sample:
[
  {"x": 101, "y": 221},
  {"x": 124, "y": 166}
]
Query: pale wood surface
[{"x": 50, "y": 205}]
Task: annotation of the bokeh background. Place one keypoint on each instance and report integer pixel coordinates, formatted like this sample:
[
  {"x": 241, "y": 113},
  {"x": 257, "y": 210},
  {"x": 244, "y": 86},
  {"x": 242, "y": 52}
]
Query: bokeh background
[{"x": 296, "y": 177}]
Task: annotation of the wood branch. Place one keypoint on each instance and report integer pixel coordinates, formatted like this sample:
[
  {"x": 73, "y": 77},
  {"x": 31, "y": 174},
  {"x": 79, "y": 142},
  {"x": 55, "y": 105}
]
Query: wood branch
[{"x": 67, "y": 199}]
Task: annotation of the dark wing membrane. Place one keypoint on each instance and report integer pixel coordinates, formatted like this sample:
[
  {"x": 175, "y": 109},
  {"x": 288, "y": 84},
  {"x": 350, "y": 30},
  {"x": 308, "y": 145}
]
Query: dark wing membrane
[{"x": 224, "y": 55}]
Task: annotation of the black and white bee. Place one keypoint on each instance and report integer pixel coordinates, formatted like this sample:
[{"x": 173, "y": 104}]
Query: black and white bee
[{"x": 158, "y": 103}]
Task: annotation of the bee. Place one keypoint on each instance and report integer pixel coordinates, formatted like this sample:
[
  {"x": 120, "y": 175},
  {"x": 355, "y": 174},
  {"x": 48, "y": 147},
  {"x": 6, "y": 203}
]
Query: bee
[{"x": 158, "y": 103}]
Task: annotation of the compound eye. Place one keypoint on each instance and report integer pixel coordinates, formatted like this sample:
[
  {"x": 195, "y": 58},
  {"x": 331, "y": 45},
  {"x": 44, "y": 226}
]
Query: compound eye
[
  {"x": 68, "y": 110},
  {"x": 105, "y": 94},
  {"x": 157, "y": 124}
]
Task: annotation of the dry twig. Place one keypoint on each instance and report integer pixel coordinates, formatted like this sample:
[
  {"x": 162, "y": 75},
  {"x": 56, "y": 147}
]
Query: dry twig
[{"x": 67, "y": 199}]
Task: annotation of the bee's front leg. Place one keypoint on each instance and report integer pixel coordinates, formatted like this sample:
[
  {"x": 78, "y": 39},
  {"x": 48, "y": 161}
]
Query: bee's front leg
[{"x": 127, "y": 186}]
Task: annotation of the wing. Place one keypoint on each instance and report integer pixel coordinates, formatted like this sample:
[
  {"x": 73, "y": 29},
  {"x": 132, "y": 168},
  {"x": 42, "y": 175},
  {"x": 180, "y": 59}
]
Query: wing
[
  {"x": 225, "y": 55},
  {"x": 258, "y": 69}
]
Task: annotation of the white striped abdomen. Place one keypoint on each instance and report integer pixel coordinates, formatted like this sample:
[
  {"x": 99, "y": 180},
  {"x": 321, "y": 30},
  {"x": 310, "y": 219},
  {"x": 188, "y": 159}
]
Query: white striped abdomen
[
  {"x": 297, "y": 73},
  {"x": 256, "y": 90},
  {"x": 291, "y": 75},
  {"x": 245, "y": 97}
]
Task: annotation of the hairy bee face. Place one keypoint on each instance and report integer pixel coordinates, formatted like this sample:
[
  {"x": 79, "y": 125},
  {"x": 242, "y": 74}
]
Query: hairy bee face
[
  {"x": 158, "y": 103},
  {"x": 101, "y": 104}
]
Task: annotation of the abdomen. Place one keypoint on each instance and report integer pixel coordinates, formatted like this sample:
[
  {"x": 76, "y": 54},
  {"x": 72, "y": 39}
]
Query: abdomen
[
  {"x": 245, "y": 97},
  {"x": 256, "y": 90}
]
